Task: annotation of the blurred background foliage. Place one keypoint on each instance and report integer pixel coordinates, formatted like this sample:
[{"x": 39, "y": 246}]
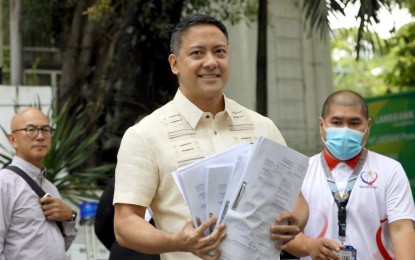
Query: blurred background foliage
[{"x": 385, "y": 66}]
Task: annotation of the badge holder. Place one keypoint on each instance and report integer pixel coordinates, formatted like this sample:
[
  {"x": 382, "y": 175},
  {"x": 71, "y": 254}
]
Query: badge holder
[{"x": 348, "y": 253}]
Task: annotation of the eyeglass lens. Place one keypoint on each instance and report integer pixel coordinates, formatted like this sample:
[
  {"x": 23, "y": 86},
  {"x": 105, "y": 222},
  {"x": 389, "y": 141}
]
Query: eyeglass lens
[{"x": 33, "y": 131}]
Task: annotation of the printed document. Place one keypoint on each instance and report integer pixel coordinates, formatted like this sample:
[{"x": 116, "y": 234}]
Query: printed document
[
  {"x": 270, "y": 185},
  {"x": 247, "y": 186},
  {"x": 191, "y": 179}
]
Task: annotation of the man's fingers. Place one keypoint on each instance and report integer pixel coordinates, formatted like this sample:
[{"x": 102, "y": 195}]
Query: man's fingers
[
  {"x": 209, "y": 244},
  {"x": 215, "y": 237},
  {"x": 215, "y": 243},
  {"x": 329, "y": 249},
  {"x": 212, "y": 255},
  {"x": 200, "y": 231},
  {"x": 46, "y": 200},
  {"x": 205, "y": 247},
  {"x": 284, "y": 232},
  {"x": 211, "y": 250},
  {"x": 331, "y": 245},
  {"x": 287, "y": 217},
  {"x": 205, "y": 225}
]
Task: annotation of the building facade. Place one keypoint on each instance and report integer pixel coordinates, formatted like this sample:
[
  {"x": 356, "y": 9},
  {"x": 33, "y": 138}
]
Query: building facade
[{"x": 299, "y": 73}]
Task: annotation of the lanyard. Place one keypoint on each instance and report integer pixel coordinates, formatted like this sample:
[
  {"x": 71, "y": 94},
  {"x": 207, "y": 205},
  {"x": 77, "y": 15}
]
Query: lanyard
[{"x": 342, "y": 201}]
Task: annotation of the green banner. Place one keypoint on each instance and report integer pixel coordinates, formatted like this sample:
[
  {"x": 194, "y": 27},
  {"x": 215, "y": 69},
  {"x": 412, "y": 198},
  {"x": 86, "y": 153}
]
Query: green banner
[{"x": 393, "y": 129}]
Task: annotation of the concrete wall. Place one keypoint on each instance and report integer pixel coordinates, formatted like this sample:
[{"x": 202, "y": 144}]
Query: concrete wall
[{"x": 299, "y": 73}]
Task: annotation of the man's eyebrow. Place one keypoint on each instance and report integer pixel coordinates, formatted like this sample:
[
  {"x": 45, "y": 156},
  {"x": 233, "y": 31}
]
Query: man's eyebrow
[
  {"x": 30, "y": 124},
  {"x": 196, "y": 47},
  {"x": 201, "y": 46},
  {"x": 221, "y": 45}
]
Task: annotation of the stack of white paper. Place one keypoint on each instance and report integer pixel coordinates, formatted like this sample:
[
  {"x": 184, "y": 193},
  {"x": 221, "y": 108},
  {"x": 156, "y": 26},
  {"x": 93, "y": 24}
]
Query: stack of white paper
[
  {"x": 247, "y": 187},
  {"x": 193, "y": 179}
]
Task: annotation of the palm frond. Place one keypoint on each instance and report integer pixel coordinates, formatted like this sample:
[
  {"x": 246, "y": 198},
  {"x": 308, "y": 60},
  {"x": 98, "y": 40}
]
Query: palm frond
[
  {"x": 68, "y": 162},
  {"x": 316, "y": 13},
  {"x": 6, "y": 155}
]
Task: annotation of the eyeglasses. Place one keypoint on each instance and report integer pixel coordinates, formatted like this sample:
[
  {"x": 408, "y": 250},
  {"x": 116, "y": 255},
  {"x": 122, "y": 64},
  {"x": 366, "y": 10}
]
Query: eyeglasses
[{"x": 33, "y": 131}]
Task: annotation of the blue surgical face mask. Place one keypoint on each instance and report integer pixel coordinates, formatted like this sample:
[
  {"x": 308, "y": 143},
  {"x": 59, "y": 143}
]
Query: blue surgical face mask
[{"x": 344, "y": 143}]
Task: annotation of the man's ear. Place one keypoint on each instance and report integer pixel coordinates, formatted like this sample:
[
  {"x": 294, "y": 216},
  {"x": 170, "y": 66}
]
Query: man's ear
[
  {"x": 320, "y": 121},
  {"x": 173, "y": 64},
  {"x": 369, "y": 126},
  {"x": 12, "y": 140},
  {"x": 321, "y": 126}
]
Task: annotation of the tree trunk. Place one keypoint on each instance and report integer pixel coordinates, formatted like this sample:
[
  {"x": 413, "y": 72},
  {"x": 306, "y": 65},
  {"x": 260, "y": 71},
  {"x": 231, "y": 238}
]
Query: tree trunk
[
  {"x": 69, "y": 83},
  {"x": 261, "y": 77}
]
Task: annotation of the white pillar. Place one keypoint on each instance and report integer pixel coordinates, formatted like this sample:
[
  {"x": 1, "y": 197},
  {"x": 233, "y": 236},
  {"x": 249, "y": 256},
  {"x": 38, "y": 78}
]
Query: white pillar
[
  {"x": 16, "y": 68},
  {"x": 1, "y": 43}
]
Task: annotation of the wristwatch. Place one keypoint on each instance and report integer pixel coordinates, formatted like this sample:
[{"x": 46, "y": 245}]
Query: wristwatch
[{"x": 73, "y": 216}]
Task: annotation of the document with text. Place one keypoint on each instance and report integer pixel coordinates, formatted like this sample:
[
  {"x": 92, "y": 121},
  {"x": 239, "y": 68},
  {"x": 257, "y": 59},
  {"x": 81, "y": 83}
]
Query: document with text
[
  {"x": 246, "y": 186},
  {"x": 269, "y": 186},
  {"x": 191, "y": 179}
]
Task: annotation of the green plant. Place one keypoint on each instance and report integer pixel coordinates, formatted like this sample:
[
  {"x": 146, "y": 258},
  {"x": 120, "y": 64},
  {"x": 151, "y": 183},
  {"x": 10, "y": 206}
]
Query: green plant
[
  {"x": 401, "y": 73},
  {"x": 6, "y": 155},
  {"x": 69, "y": 163}
]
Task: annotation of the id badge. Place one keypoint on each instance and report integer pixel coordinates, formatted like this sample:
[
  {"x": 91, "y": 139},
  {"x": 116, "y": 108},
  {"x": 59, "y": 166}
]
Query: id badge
[{"x": 348, "y": 253}]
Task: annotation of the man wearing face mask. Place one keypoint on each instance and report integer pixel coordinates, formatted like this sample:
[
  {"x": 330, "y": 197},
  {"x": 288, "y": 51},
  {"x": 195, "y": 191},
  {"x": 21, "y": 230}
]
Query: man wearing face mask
[{"x": 360, "y": 202}]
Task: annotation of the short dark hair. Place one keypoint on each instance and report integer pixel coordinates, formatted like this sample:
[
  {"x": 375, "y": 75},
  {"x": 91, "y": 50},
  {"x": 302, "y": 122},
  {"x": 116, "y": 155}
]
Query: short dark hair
[
  {"x": 353, "y": 99},
  {"x": 189, "y": 21}
]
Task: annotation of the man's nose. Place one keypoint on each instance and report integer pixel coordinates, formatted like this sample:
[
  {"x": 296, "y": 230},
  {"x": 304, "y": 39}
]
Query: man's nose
[
  {"x": 40, "y": 134},
  {"x": 210, "y": 61}
]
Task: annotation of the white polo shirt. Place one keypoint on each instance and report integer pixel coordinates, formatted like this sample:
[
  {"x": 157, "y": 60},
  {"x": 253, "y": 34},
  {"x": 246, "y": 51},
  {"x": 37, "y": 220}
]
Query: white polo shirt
[{"x": 381, "y": 195}]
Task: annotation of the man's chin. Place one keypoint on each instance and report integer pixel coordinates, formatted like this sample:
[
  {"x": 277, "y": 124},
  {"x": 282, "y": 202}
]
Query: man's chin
[
  {"x": 40, "y": 154},
  {"x": 214, "y": 91}
]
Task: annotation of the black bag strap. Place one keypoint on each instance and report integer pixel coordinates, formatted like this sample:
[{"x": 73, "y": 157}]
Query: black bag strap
[{"x": 39, "y": 191}]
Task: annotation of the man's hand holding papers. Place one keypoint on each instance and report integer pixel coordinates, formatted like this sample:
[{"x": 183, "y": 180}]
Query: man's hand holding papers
[
  {"x": 199, "y": 244},
  {"x": 284, "y": 230},
  {"x": 261, "y": 192}
]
